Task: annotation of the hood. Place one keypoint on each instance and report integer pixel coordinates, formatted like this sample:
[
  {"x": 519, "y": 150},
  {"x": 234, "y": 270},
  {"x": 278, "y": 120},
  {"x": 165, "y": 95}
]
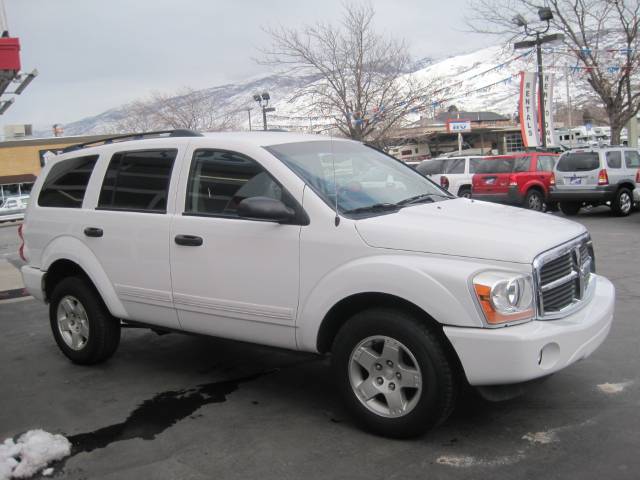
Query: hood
[{"x": 469, "y": 228}]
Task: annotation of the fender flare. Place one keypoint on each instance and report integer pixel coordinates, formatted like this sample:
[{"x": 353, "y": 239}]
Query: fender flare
[
  {"x": 70, "y": 248},
  {"x": 403, "y": 276}
]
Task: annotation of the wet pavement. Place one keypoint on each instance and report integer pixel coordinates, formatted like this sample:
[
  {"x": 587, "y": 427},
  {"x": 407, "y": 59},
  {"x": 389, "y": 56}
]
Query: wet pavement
[{"x": 189, "y": 407}]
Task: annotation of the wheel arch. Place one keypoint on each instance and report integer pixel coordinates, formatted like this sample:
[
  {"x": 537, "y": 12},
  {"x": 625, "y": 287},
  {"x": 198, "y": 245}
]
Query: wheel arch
[{"x": 66, "y": 256}]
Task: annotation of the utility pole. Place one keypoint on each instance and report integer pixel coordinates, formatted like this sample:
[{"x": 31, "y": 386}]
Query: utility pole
[
  {"x": 249, "y": 112},
  {"x": 569, "y": 113},
  {"x": 632, "y": 124}
]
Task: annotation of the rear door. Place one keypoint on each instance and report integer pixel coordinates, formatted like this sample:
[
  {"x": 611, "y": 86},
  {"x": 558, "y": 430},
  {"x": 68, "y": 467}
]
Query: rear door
[
  {"x": 492, "y": 175},
  {"x": 128, "y": 231},
  {"x": 578, "y": 170},
  {"x": 615, "y": 166},
  {"x": 544, "y": 169}
]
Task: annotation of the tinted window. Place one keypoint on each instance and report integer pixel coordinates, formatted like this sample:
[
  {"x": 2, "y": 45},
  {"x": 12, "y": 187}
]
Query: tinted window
[
  {"x": 614, "y": 159},
  {"x": 455, "y": 166},
  {"x": 219, "y": 180},
  {"x": 492, "y": 165},
  {"x": 632, "y": 159},
  {"x": 522, "y": 164},
  {"x": 431, "y": 167},
  {"x": 545, "y": 164},
  {"x": 578, "y": 162},
  {"x": 66, "y": 183},
  {"x": 138, "y": 181}
]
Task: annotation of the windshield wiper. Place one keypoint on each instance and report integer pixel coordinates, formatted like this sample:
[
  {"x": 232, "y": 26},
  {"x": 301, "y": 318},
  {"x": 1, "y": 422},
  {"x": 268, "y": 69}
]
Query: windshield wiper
[
  {"x": 423, "y": 197},
  {"x": 376, "y": 207}
]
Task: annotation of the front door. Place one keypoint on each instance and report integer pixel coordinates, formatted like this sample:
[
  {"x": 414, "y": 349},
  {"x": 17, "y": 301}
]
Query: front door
[{"x": 233, "y": 277}]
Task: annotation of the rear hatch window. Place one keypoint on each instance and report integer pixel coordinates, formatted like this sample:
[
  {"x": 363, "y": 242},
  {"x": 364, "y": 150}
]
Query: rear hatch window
[
  {"x": 579, "y": 162},
  {"x": 493, "y": 165}
]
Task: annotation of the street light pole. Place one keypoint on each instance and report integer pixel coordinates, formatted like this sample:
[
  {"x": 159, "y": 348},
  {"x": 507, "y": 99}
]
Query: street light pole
[{"x": 263, "y": 101}]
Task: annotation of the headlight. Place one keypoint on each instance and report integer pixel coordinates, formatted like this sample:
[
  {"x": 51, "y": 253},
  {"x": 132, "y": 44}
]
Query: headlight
[{"x": 504, "y": 297}]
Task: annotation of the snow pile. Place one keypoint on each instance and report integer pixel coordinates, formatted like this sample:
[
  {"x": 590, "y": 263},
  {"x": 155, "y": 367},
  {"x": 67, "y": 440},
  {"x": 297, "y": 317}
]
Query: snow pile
[
  {"x": 613, "y": 388},
  {"x": 32, "y": 452}
]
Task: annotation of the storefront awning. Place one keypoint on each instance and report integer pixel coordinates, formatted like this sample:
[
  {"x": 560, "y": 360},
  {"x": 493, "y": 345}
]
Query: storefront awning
[{"x": 12, "y": 179}]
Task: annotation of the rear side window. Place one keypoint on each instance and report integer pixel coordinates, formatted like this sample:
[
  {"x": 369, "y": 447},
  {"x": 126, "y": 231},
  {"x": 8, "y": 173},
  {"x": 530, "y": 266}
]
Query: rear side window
[
  {"x": 138, "y": 181},
  {"x": 492, "y": 165},
  {"x": 219, "y": 180},
  {"x": 614, "y": 159},
  {"x": 522, "y": 164},
  {"x": 632, "y": 159},
  {"x": 66, "y": 183},
  {"x": 545, "y": 163},
  {"x": 431, "y": 167},
  {"x": 455, "y": 166},
  {"x": 579, "y": 162}
]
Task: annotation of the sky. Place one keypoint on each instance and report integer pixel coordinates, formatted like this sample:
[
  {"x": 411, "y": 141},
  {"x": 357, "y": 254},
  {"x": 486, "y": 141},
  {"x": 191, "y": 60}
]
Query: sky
[{"x": 93, "y": 55}]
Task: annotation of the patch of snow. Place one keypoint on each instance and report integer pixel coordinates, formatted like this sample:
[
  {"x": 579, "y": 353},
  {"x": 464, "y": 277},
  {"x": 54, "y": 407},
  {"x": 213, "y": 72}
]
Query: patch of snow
[
  {"x": 469, "y": 461},
  {"x": 543, "y": 438},
  {"x": 33, "y": 451},
  {"x": 47, "y": 471},
  {"x": 613, "y": 388}
]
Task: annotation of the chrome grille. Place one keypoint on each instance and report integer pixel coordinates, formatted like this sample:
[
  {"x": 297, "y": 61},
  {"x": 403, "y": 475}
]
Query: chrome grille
[{"x": 563, "y": 278}]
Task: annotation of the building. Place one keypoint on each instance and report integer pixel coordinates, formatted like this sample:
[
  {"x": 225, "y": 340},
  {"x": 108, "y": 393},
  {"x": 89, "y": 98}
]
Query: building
[{"x": 21, "y": 161}]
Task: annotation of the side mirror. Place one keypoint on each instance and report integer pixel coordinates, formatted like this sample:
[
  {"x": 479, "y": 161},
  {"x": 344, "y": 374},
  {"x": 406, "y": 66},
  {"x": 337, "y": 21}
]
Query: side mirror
[{"x": 265, "y": 208}]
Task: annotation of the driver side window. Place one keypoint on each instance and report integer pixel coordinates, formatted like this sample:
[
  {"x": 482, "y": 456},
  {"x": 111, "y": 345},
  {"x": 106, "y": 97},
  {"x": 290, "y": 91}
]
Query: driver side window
[{"x": 220, "y": 179}]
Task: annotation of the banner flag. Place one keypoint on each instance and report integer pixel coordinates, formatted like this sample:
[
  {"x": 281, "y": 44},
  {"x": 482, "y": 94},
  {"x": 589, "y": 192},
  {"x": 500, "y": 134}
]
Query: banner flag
[
  {"x": 549, "y": 80},
  {"x": 528, "y": 119}
]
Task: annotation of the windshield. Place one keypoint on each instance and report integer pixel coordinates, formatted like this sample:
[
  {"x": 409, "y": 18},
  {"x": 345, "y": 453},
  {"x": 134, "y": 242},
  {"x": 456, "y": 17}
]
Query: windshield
[
  {"x": 368, "y": 181},
  {"x": 493, "y": 165},
  {"x": 578, "y": 162}
]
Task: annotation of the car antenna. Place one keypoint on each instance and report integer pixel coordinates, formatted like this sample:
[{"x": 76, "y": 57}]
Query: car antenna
[{"x": 335, "y": 183}]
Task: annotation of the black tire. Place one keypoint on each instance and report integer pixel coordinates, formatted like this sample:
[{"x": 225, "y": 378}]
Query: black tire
[
  {"x": 570, "y": 208},
  {"x": 103, "y": 335},
  {"x": 534, "y": 200},
  {"x": 439, "y": 372},
  {"x": 622, "y": 204},
  {"x": 464, "y": 192}
]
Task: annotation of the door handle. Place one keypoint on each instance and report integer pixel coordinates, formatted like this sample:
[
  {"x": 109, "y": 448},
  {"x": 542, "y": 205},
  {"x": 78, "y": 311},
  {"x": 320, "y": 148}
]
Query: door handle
[
  {"x": 188, "y": 240},
  {"x": 93, "y": 232}
]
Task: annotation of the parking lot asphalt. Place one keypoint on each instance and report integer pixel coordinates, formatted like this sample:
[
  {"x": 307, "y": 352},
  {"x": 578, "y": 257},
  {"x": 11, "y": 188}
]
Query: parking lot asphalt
[{"x": 188, "y": 407}]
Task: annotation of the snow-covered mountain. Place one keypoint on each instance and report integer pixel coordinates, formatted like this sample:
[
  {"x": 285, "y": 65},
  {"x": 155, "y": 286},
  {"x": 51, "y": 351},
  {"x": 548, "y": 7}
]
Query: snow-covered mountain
[{"x": 482, "y": 80}]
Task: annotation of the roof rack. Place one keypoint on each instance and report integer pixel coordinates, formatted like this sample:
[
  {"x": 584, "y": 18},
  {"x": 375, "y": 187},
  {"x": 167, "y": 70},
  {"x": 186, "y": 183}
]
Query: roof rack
[{"x": 133, "y": 136}]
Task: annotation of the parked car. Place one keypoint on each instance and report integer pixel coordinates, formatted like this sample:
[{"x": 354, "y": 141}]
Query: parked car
[
  {"x": 598, "y": 176},
  {"x": 454, "y": 174},
  {"x": 273, "y": 238},
  {"x": 13, "y": 208},
  {"x": 519, "y": 179}
]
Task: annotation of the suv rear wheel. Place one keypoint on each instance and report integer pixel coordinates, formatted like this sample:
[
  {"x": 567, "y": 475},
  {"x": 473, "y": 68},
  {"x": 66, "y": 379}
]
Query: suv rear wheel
[
  {"x": 570, "y": 208},
  {"x": 82, "y": 326},
  {"x": 622, "y": 204},
  {"x": 393, "y": 373},
  {"x": 534, "y": 200},
  {"x": 465, "y": 192}
]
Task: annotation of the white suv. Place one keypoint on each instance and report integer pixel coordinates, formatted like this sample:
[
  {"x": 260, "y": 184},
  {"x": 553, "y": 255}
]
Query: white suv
[
  {"x": 280, "y": 239},
  {"x": 454, "y": 174}
]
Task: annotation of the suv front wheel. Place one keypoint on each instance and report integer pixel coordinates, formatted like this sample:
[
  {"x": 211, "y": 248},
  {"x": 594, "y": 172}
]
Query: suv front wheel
[
  {"x": 393, "y": 373},
  {"x": 622, "y": 204},
  {"x": 82, "y": 326}
]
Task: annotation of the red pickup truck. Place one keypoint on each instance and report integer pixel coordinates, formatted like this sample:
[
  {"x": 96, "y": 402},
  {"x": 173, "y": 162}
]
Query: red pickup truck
[{"x": 518, "y": 179}]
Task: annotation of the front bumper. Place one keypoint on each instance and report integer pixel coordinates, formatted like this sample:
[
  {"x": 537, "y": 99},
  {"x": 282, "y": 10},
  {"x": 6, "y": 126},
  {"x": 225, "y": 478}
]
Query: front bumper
[
  {"x": 604, "y": 193},
  {"x": 535, "y": 349}
]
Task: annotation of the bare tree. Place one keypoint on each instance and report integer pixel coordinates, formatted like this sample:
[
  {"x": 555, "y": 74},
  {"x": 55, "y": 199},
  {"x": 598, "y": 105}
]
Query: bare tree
[
  {"x": 591, "y": 28},
  {"x": 365, "y": 84},
  {"x": 188, "y": 109}
]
